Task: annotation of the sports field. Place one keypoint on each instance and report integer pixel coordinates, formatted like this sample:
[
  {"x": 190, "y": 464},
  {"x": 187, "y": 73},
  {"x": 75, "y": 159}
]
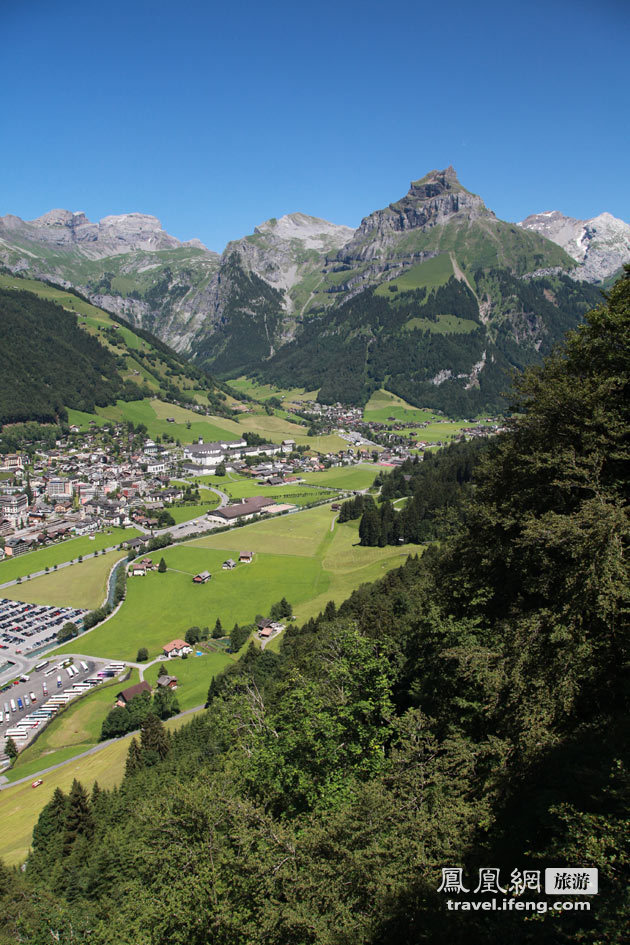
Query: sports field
[
  {"x": 82, "y": 585},
  {"x": 67, "y": 550},
  {"x": 344, "y": 477},
  {"x": 244, "y": 487}
]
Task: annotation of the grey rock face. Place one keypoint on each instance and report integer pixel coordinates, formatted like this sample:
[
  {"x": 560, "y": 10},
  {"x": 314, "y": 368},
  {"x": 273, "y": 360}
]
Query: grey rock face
[
  {"x": 431, "y": 201},
  {"x": 600, "y": 245},
  {"x": 111, "y": 236}
]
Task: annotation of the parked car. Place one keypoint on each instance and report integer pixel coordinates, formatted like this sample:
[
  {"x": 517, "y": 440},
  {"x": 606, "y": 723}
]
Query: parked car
[{"x": 38, "y": 782}]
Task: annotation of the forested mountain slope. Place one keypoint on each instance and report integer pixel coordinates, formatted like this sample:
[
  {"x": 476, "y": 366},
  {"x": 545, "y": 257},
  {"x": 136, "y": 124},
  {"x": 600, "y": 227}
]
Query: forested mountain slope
[
  {"x": 59, "y": 351},
  {"x": 470, "y": 710}
]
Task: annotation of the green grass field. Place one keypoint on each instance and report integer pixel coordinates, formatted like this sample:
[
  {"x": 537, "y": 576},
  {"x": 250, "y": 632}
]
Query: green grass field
[
  {"x": 382, "y": 405},
  {"x": 20, "y": 806},
  {"x": 189, "y": 425},
  {"x": 193, "y": 676},
  {"x": 82, "y": 585},
  {"x": 243, "y": 487},
  {"x": 297, "y": 556},
  {"x": 262, "y": 392},
  {"x": 445, "y": 325},
  {"x": 344, "y": 477},
  {"x": 66, "y": 550},
  {"x": 441, "y": 432},
  {"x": 161, "y": 607},
  {"x": 430, "y": 274}
]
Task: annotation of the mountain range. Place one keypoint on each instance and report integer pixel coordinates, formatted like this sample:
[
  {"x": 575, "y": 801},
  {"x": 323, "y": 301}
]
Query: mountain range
[{"x": 432, "y": 296}]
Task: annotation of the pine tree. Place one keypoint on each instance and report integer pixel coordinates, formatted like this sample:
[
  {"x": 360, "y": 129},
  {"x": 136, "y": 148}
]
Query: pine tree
[
  {"x": 154, "y": 740},
  {"x": 162, "y": 566},
  {"x": 134, "y": 759},
  {"x": 48, "y": 831},
  {"x": 217, "y": 633},
  {"x": 330, "y": 611},
  {"x": 79, "y": 822},
  {"x": 213, "y": 691}
]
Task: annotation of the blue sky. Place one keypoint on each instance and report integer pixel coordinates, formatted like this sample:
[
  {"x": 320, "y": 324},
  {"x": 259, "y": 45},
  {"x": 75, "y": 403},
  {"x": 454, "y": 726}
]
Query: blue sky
[{"x": 215, "y": 117}]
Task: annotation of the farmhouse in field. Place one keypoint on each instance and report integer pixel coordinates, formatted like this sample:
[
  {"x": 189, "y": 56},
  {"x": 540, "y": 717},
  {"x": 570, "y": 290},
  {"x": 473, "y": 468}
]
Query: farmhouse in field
[
  {"x": 229, "y": 565},
  {"x": 202, "y": 578},
  {"x": 246, "y": 557},
  {"x": 176, "y": 648},
  {"x": 126, "y": 695},
  {"x": 167, "y": 682}
]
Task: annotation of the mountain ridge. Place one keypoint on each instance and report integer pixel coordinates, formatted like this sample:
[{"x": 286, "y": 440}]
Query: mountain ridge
[{"x": 433, "y": 278}]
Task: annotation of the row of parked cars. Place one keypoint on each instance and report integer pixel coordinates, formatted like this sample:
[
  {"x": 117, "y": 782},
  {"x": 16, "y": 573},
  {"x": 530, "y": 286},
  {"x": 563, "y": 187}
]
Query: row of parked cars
[{"x": 19, "y": 621}]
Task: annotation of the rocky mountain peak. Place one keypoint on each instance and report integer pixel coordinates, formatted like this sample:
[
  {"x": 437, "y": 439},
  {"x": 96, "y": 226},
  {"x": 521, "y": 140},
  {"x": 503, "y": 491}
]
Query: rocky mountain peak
[
  {"x": 431, "y": 201},
  {"x": 312, "y": 232},
  {"x": 600, "y": 245}
]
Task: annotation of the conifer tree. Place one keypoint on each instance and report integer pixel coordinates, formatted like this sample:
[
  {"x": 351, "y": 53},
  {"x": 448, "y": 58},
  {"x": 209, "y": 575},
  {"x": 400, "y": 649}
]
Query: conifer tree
[
  {"x": 79, "y": 822},
  {"x": 134, "y": 758},
  {"x": 330, "y": 611},
  {"x": 154, "y": 740}
]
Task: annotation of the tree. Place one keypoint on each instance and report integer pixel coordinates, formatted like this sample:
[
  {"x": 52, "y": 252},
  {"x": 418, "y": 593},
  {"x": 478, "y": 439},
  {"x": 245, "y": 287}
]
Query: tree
[
  {"x": 154, "y": 740},
  {"x": 162, "y": 566},
  {"x": 238, "y": 637},
  {"x": 193, "y": 635},
  {"x": 220, "y": 470},
  {"x": 162, "y": 671},
  {"x": 330, "y": 611},
  {"x": 48, "y": 832},
  {"x": 11, "y": 750},
  {"x": 143, "y": 655},
  {"x": 67, "y": 632},
  {"x": 217, "y": 632},
  {"x": 134, "y": 759},
  {"x": 165, "y": 703},
  {"x": 79, "y": 821}
]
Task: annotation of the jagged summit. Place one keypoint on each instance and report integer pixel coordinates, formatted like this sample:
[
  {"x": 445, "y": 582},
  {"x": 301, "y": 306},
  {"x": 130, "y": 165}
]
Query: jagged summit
[
  {"x": 436, "y": 182},
  {"x": 431, "y": 201}
]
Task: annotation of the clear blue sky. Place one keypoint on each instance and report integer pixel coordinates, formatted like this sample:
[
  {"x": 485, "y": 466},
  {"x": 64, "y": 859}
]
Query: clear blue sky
[{"x": 217, "y": 116}]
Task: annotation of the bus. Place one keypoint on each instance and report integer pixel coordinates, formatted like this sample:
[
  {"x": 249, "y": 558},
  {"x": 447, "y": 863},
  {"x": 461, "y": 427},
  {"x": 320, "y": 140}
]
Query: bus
[{"x": 41, "y": 666}]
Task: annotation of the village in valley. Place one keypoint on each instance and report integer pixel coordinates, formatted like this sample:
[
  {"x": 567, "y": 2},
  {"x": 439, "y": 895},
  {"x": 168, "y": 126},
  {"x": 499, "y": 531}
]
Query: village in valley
[{"x": 134, "y": 568}]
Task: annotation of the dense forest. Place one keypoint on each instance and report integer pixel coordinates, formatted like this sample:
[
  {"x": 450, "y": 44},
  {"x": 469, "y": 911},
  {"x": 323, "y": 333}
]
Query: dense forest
[
  {"x": 436, "y": 488},
  {"x": 470, "y": 710},
  {"x": 348, "y": 351},
  {"x": 49, "y": 363}
]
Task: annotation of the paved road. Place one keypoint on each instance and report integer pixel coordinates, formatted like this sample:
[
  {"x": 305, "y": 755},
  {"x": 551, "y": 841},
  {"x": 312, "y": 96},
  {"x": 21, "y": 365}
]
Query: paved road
[{"x": 90, "y": 751}]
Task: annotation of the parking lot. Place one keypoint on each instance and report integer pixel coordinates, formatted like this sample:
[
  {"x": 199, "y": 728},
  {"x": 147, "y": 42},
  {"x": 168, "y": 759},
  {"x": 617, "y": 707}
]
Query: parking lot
[
  {"x": 26, "y": 627},
  {"x": 26, "y": 706}
]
